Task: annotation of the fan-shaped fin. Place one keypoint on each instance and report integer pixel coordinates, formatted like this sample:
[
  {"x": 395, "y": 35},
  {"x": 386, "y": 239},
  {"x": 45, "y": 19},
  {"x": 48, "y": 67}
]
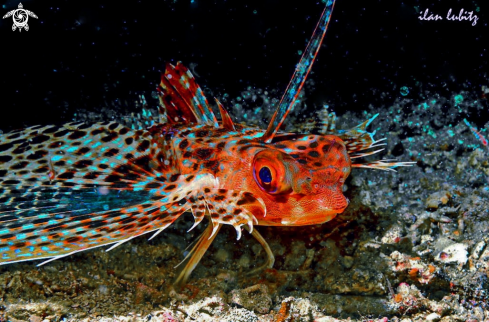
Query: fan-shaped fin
[
  {"x": 358, "y": 139},
  {"x": 182, "y": 99}
]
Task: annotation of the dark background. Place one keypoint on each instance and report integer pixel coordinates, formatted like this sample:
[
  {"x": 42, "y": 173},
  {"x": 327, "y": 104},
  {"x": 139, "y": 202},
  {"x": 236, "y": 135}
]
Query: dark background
[{"x": 80, "y": 54}]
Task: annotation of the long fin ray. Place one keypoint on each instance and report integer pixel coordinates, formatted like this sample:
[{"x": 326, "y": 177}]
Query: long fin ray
[
  {"x": 292, "y": 92},
  {"x": 383, "y": 165}
]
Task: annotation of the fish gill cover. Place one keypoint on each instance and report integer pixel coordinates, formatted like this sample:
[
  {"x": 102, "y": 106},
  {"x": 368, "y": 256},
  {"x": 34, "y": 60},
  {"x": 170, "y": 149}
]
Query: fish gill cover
[{"x": 413, "y": 243}]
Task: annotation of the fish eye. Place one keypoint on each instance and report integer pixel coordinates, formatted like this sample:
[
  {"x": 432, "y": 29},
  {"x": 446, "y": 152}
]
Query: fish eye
[
  {"x": 265, "y": 175},
  {"x": 269, "y": 171}
]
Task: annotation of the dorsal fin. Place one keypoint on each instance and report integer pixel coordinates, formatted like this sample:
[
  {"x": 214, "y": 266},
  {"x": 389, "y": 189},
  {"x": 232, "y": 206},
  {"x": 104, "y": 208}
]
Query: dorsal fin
[
  {"x": 182, "y": 99},
  {"x": 302, "y": 70},
  {"x": 227, "y": 123}
]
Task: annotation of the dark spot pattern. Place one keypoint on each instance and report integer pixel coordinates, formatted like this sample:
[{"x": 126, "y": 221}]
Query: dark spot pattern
[
  {"x": 55, "y": 144},
  {"x": 202, "y": 133},
  {"x": 82, "y": 164},
  {"x": 67, "y": 175},
  {"x": 211, "y": 165},
  {"x": 36, "y": 155},
  {"x": 110, "y": 137},
  {"x": 203, "y": 154},
  {"x": 61, "y": 133},
  {"x": 246, "y": 199},
  {"x": 82, "y": 151},
  {"x": 221, "y": 145},
  {"x": 123, "y": 131},
  {"x": 183, "y": 144},
  {"x": 5, "y": 158},
  {"x": 97, "y": 131},
  {"x": 5, "y": 147},
  {"x": 39, "y": 139},
  {"x": 143, "y": 146},
  {"x": 77, "y": 135},
  {"x": 20, "y": 165},
  {"x": 113, "y": 126},
  {"x": 111, "y": 152}
]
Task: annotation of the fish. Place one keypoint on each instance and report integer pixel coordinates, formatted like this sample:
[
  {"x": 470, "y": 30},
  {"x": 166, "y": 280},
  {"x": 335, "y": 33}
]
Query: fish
[{"x": 74, "y": 187}]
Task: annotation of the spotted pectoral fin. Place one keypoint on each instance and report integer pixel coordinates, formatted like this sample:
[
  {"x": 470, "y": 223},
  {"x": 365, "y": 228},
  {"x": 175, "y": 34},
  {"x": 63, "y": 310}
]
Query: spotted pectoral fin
[
  {"x": 52, "y": 221},
  {"x": 58, "y": 232},
  {"x": 229, "y": 207}
]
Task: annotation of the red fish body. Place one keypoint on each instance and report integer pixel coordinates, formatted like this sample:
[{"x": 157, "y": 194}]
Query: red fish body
[
  {"x": 64, "y": 189},
  {"x": 307, "y": 171}
]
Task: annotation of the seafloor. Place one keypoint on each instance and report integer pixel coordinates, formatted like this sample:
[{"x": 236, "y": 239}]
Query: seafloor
[{"x": 412, "y": 245}]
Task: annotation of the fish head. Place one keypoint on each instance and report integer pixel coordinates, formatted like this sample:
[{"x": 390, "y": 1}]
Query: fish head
[{"x": 300, "y": 178}]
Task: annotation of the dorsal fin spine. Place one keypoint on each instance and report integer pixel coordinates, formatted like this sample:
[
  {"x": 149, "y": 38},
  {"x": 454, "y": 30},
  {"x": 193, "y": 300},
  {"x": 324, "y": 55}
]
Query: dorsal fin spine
[
  {"x": 227, "y": 122},
  {"x": 289, "y": 99}
]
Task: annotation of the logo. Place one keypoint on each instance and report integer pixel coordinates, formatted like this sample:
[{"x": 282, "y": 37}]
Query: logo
[{"x": 20, "y": 17}]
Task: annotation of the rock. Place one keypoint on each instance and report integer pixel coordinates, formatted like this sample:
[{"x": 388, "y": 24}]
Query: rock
[
  {"x": 433, "y": 317},
  {"x": 437, "y": 198},
  {"x": 454, "y": 253},
  {"x": 254, "y": 298}
]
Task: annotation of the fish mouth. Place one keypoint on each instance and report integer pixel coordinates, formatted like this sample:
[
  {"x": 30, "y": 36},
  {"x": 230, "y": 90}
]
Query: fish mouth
[{"x": 341, "y": 204}]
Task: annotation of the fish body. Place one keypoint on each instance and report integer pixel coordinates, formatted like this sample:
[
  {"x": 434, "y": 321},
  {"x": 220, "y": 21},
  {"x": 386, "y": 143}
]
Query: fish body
[
  {"x": 65, "y": 189},
  {"x": 78, "y": 186},
  {"x": 306, "y": 171}
]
